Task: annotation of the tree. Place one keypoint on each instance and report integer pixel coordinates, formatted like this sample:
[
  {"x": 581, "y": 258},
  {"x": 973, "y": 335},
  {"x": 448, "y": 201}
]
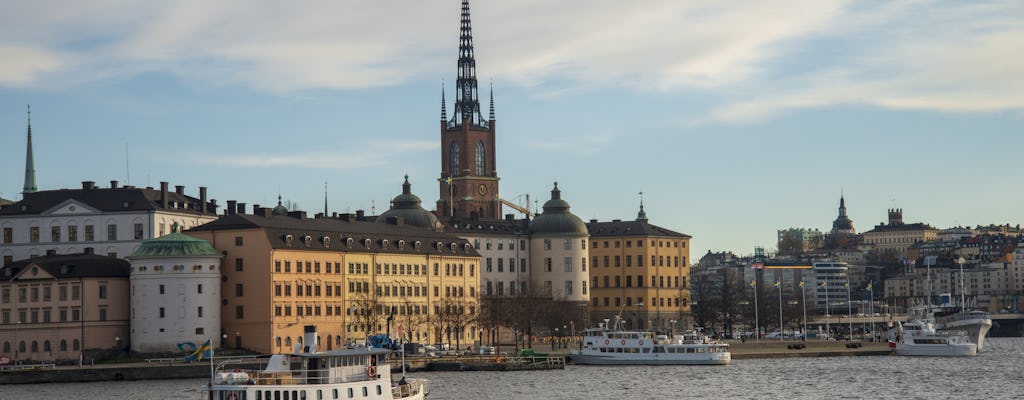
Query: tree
[
  {"x": 790, "y": 245},
  {"x": 366, "y": 311},
  {"x": 455, "y": 314}
]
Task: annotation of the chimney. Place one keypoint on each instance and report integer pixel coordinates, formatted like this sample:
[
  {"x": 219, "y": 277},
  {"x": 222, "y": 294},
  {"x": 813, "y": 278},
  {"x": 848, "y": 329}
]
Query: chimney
[
  {"x": 231, "y": 208},
  {"x": 113, "y": 184},
  {"x": 163, "y": 195},
  {"x": 88, "y": 185},
  {"x": 359, "y": 215},
  {"x": 241, "y": 208},
  {"x": 179, "y": 189},
  {"x": 202, "y": 200}
]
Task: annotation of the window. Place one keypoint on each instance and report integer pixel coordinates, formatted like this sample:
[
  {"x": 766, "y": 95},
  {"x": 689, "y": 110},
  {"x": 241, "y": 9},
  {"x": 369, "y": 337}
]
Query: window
[
  {"x": 238, "y": 240},
  {"x": 199, "y": 312},
  {"x": 239, "y": 263},
  {"x": 161, "y": 312},
  {"x": 584, "y": 287},
  {"x": 138, "y": 232},
  {"x": 75, "y": 292},
  {"x": 547, "y": 264},
  {"x": 568, "y": 264},
  {"x": 239, "y": 312},
  {"x": 103, "y": 291},
  {"x": 54, "y": 233},
  {"x": 199, "y": 288},
  {"x": 33, "y": 234},
  {"x": 547, "y": 244},
  {"x": 111, "y": 232},
  {"x": 8, "y": 235},
  {"x": 239, "y": 290},
  {"x": 501, "y": 265},
  {"x": 453, "y": 161},
  {"x": 103, "y": 314},
  {"x": 568, "y": 288},
  {"x": 481, "y": 159},
  {"x": 583, "y": 244},
  {"x": 567, "y": 244},
  {"x": 161, "y": 289},
  {"x": 89, "y": 234},
  {"x": 73, "y": 233}
]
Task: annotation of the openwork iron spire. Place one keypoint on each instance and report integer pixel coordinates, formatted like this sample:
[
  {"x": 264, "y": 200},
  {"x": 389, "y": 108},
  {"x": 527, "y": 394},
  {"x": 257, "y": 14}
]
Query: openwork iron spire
[
  {"x": 492, "y": 99},
  {"x": 30, "y": 166},
  {"x": 444, "y": 111},
  {"x": 467, "y": 103}
]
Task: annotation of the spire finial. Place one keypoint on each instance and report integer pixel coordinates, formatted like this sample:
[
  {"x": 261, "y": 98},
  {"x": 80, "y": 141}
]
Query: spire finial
[
  {"x": 406, "y": 186},
  {"x": 444, "y": 110},
  {"x": 278, "y": 199},
  {"x": 30, "y": 165},
  {"x": 492, "y": 99}
]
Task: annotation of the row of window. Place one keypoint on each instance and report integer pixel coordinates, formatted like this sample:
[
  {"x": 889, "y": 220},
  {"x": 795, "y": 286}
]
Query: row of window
[
  {"x": 567, "y": 264},
  {"x": 45, "y": 315},
  {"x": 313, "y": 267},
  {"x": 640, "y": 243},
  {"x": 511, "y": 265},
  {"x": 566, "y": 244},
  {"x": 63, "y": 346},
  {"x": 657, "y": 301},
  {"x": 72, "y": 233},
  {"x": 501, "y": 244},
  {"x": 656, "y": 261},
  {"x": 501, "y": 288},
  {"x": 32, "y": 294},
  {"x": 656, "y": 281}
]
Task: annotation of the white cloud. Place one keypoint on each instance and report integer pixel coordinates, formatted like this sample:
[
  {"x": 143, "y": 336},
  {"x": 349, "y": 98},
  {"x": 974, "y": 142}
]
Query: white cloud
[
  {"x": 754, "y": 59},
  {"x": 365, "y": 156}
]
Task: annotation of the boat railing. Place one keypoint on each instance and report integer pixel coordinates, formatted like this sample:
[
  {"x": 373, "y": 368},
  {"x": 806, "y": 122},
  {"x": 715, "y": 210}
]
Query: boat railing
[{"x": 259, "y": 376}]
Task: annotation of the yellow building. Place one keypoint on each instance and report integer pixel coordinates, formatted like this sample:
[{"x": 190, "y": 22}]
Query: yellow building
[
  {"x": 639, "y": 272},
  {"x": 896, "y": 236},
  {"x": 350, "y": 278}
]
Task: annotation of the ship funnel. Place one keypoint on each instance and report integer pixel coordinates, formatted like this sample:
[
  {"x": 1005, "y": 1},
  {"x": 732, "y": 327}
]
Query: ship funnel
[{"x": 309, "y": 338}]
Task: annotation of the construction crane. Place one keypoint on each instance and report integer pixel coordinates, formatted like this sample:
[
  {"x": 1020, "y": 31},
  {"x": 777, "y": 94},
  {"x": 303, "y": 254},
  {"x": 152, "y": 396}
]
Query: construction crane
[{"x": 525, "y": 210}]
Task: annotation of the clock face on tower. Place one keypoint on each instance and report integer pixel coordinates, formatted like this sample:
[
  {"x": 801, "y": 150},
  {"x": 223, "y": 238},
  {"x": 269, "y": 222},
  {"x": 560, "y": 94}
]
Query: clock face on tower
[{"x": 482, "y": 189}]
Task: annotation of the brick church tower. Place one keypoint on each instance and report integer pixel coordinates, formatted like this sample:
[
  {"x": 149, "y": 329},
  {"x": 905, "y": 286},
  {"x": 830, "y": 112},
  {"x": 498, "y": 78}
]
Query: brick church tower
[{"x": 469, "y": 176}]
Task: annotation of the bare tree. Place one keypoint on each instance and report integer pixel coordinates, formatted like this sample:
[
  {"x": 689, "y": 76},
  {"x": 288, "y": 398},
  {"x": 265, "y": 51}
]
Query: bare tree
[{"x": 366, "y": 310}]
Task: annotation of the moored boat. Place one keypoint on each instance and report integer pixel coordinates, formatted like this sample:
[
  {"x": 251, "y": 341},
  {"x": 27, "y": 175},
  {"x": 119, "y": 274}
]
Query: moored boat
[
  {"x": 919, "y": 338},
  {"x": 361, "y": 373},
  {"x": 617, "y": 347}
]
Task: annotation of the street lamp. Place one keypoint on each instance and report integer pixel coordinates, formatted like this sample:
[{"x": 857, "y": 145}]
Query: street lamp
[
  {"x": 17, "y": 341},
  {"x": 963, "y": 298},
  {"x": 639, "y": 303}
]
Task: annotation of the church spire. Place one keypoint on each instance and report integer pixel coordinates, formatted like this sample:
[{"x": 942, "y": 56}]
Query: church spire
[
  {"x": 842, "y": 204},
  {"x": 467, "y": 103},
  {"x": 444, "y": 110},
  {"x": 30, "y": 166},
  {"x": 492, "y": 100}
]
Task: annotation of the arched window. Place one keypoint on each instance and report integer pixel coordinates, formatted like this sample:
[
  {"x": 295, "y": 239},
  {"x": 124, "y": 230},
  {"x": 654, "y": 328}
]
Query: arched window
[
  {"x": 63, "y": 345},
  {"x": 21, "y": 346},
  {"x": 46, "y": 346},
  {"x": 74, "y": 345},
  {"x": 481, "y": 159},
  {"x": 35, "y": 346},
  {"x": 453, "y": 162},
  {"x": 7, "y": 347}
]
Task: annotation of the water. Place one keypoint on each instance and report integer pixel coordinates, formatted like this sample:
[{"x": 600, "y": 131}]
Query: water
[{"x": 995, "y": 374}]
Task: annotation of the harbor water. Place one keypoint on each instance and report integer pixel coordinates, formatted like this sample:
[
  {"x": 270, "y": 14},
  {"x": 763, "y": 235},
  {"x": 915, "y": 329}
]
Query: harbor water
[{"x": 994, "y": 374}]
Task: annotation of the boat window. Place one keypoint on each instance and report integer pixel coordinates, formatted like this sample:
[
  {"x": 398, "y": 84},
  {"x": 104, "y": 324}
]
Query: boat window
[
  {"x": 319, "y": 395},
  {"x": 302, "y": 395},
  {"x": 379, "y": 392},
  {"x": 350, "y": 394},
  {"x": 335, "y": 393},
  {"x": 259, "y": 395},
  {"x": 277, "y": 395},
  {"x": 365, "y": 391},
  {"x": 285, "y": 395}
]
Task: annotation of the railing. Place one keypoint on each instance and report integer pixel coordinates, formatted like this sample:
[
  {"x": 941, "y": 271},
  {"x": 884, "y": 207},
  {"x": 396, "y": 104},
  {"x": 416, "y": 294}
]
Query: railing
[
  {"x": 172, "y": 360},
  {"x": 22, "y": 367}
]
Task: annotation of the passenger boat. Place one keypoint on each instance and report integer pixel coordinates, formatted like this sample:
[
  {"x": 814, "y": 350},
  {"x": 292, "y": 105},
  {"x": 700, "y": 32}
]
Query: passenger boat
[
  {"x": 951, "y": 318},
  {"x": 919, "y": 338},
  {"x": 603, "y": 346},
  {"x": 361, "y": 373}
]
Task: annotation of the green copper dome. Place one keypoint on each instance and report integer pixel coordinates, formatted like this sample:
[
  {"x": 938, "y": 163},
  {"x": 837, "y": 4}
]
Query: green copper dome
[
  {"x": 176, "y": 244},
  {"x": 556, "y": 218},
  {"x": 408, "y": 207}
]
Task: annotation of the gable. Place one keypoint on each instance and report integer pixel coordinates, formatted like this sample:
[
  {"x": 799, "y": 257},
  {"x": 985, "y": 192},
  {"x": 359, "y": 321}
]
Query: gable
[
  {"x": 33, "y": 272},
  {"x": 70, "y": 207}
]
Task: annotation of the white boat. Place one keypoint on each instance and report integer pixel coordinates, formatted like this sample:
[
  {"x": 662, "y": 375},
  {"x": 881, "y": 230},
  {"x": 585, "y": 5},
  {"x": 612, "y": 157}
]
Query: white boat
[
  {"x": 950, "y": 318},
  {"x": 919, "y": 338},
  {"x": 362, "y": 373},
  {"x": 617, "y": 347}
]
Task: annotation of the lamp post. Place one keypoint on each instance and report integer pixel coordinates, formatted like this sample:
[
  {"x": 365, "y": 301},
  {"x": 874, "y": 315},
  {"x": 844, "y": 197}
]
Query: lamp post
[
  {"x": 671, "y": 327},
  {"x": 639, "y": 303},
  {"x": 792, "y": 303},
  {"x": 803, "y": 300},
  {"x": 17, "y": 341},
  {"x": 782, "y": 327},
  {"x": 963, "y": 298},
  {"x": 554, "y": 340}
]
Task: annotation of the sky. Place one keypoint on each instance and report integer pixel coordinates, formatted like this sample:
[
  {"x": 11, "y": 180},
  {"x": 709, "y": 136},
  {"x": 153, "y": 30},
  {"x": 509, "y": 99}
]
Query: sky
[{"x": 735, "y": 119}]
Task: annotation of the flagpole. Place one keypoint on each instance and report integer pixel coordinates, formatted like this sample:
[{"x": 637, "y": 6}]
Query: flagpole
[
  {"x": 803, "y": 298},
  {"x": 849, "y": 310},
  {"x": 782, "y": 327},
  {"x": 871, "y": 296},
  {"x": 828, "y": 329},
  {"x": 211, "y": 361},
  {"x": 757, "y": 324}
]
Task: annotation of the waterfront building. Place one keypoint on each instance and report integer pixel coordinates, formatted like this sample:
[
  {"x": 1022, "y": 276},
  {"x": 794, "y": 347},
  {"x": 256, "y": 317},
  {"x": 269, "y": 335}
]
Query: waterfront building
[
  {"x": 504, "y": 253},
  {"x": 640, "y": 272},
  {"x": 830, "y": 287},
  {"x": 350, "y": 277},
  {"x": 896, "y": 236},
  {"x": 175, "y": 293},
  {"x": 987, "y": 286},
  {"x": 559, "y": 256},
  {"x": 113, "y": 221},
  {"x": 58, "y": 306}
]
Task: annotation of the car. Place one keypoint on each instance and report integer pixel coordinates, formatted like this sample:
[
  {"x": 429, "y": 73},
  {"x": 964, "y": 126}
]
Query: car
[{"x": 488, "y": 350}]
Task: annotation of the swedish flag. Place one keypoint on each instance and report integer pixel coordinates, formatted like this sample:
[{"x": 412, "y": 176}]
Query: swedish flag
[
  {"x": 869, "y": 285},
  {"x": 204, "y": 351},
  {"x": 753, "y": 282},
  {"x": 448, "y": 180},
  {"x": 801, "y": 283},
  {"x": 776, "y": 283}
]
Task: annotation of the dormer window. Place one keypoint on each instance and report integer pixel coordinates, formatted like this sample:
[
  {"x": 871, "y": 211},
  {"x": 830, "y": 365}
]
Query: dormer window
[
  {"x": 367, "y": 243},
  {"x": 384, "y": 244},
  {"x": 466, "y": 247},
  {"x": 348, "y": 242},
  {"x": 326, "y": 241},
  {"x": 454, "y": 247},
  {"x": 307, "y": 240},
  {"x": 440, "y": 246},
  {"x": 401, "y": 245},
  {"x": 417, "y": 245},
  {"x": 288, "y": 240}
]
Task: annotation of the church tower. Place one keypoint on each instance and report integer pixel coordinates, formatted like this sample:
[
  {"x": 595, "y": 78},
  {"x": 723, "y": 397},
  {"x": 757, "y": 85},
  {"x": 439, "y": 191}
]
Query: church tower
[
  {"x": 469, "y": 176},
  {"x": 30, "y": 165},
  {"x": 843, "y": 225}
]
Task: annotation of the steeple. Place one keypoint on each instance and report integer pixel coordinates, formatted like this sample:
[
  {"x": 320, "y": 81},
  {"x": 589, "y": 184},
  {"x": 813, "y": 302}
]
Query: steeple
[
  {"x": 641, "y": 216},
  {"x": 467, "y": 103},
  {"x": 444, "y": 111},
  {"x": 492, "y": 100},
  {"x": 842, "y": 204},
  {"x": 30, "y": 166}
]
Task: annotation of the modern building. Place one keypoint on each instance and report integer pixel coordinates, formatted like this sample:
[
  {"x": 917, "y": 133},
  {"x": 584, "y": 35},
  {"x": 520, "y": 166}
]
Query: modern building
[
  {"x": 349, "y": 277},
  {"x": 640, "y": 273},
  {"x": 56, "y": 307},
  {"x": 831, "y": 289},
  {"x": 175, "y": 293},
  {"x": 111, "y": 221}
]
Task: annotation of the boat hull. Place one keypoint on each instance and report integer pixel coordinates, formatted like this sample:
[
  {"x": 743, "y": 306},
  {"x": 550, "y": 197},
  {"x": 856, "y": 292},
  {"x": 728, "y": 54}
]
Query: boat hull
[
  {"x": 976, "y": 330},
  {"x": 937, "y": 350},
  {"x": 654, "y": 359}
]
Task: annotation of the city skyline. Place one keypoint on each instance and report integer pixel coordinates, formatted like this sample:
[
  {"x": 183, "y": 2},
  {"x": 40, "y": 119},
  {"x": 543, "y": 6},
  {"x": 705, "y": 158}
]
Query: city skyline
[{"x": 755, "y": 120}]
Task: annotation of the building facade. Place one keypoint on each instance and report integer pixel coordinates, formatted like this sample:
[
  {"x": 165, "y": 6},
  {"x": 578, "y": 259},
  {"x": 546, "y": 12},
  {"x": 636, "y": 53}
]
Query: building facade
[
  {"x": 56, "y": 307},
  {"x": 351, "y": 278},
  {"x": 897, "y": 236},
  {"x": 640, "y": 273},
  {"x": 175, "y": 293},
  {"x": 112, "y": 221}
]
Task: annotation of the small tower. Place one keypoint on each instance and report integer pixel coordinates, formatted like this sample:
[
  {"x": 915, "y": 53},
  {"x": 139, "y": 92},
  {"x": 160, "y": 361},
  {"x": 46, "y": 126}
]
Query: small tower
[
  {"x": 641, "y": 216},
  {"x": 30, "y": 166}
]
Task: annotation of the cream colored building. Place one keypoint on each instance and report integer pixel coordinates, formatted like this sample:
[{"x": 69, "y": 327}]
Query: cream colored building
[
  {"x": 640, "y": 272},
  {"x": 56, "y": 307},
  {"x": 897, "y": 236},
  {"x": 282, "y": 271}
]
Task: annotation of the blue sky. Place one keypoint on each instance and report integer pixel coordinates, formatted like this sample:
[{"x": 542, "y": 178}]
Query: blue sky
[{"x": 734, "y": 118}]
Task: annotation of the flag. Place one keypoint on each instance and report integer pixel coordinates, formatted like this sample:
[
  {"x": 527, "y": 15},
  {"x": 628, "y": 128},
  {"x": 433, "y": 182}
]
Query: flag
[
  {"x": 753, "y": 282},
  {"x": 777, "y": 283},
  {"x": 847, "y": 284},
  {"x": 204, "y": 351},
  {"x": 869, "y": 285},
  {"x": 448, "y": 180},
  {"x": 822, "y": 284},
  {"x": 196, "y": 353},
  {"x": 801, "y": 283}
]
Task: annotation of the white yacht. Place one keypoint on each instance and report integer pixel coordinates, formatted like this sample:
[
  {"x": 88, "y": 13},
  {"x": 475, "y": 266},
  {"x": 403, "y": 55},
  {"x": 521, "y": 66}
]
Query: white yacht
[
  {"x": 919, "y": 338},
  {"x": 950, "y": 318},
  {"x": 362, "y": 373},
  {"x": 617, "y": 347}
]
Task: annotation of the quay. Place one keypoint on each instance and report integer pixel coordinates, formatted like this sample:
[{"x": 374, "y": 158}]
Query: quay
[{"x": 167, "y": 369}]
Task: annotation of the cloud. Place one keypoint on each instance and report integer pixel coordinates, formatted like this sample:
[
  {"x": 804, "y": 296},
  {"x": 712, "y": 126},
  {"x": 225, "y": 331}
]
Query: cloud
[
  {"x": 752, "y": 60},
  {"x": 368, "y": 155}
]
